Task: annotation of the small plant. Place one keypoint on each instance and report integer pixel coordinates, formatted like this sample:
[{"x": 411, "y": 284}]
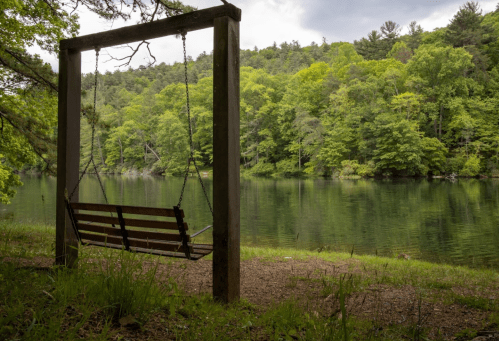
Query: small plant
[
  {"x": 420, "y": 316},
  {"x": 466, "y": 334},
  {"x": 480, "y": 303},
  {"x": 341, "y": 293},
  {"x": 292, "y": 282}
]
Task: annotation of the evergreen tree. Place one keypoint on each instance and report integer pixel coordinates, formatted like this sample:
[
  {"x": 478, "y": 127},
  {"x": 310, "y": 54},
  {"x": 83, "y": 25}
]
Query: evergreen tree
[
  {"x": 415, "y": 33},
  {"x": 466, "y": 30},
  {"x": 370, "y": 48}
]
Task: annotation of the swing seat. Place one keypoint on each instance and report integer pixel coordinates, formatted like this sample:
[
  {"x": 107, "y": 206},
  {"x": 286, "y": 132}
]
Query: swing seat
[{"x": 121, "y": 231}]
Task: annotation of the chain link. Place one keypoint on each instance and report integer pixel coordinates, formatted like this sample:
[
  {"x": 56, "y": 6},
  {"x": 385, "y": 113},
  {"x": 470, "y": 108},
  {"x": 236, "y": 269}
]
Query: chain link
[
  {"x": 93, "y": 120},
  {"x": 191, "y": 145},
  {"x": 94, "y": 116}
]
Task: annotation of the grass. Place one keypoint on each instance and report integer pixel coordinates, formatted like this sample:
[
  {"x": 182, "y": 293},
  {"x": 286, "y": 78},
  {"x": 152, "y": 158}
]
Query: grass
[{"x": 111, "y": 295}]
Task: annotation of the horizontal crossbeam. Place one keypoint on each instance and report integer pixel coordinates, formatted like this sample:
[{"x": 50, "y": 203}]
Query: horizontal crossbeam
[{"x": 192, "y": 21}]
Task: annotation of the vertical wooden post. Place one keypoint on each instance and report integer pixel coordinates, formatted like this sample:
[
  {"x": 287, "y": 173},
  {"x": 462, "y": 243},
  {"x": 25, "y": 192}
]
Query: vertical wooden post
[
  {"x": 68, "y": 152},
  {"x": 226, "y": 220}
]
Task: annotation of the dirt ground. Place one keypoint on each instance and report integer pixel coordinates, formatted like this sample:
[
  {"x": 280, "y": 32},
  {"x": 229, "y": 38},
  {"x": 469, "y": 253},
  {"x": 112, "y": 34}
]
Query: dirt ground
[{"x": 266, "y": 282}]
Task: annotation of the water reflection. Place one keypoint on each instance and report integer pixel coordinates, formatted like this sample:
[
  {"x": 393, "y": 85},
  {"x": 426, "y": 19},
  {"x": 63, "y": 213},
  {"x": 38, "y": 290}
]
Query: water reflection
[{"x": 436, "y": 220}]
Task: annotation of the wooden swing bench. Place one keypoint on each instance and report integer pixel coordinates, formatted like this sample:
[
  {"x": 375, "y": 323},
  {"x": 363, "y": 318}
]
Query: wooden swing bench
[{"x": 132, "y": 235}]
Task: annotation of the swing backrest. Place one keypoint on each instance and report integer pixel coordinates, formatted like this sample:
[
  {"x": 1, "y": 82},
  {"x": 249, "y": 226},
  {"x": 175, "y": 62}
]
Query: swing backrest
[{"x": 160, "y": 235}]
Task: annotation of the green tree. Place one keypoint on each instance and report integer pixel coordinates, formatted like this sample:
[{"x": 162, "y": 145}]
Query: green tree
[
  {"x": 390, "y": 31},
  {"x": 466, "y": 30},
  {"x": 415, "y": 35},
  {"x": 400, "y": 52},
  {"x": 370, "y": 48},
  {"x": 434, "y": 155},
  {"x": 398, "y": 145},
  {"x": 304, "y": 98},
  {"x": 173, "y": 144},
  {"x": 28, "y": 82},
  {"x": 438, "y": 74}
]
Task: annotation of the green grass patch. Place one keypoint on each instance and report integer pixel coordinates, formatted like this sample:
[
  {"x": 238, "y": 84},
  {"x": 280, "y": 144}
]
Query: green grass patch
[
  {"x": 112, "y": 291},
  {"x": 480, "y": 303}
]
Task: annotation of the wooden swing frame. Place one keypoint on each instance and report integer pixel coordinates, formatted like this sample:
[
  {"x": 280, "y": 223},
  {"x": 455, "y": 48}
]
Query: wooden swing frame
[{"x": 226, "y": 183}]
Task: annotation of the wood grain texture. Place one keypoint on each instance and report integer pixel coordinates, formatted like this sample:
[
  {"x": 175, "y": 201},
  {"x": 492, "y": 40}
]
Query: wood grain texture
[
  {"x": 155, "y": 211},
  {"x": 154, "y": 224},
  {"x": 68, "y": 153},
  {"x": 194, "y": 256},
  {"x": 226, "y": 182},
  {"x": 146, "y": 244},
  {"x": 113, "y": 231},
  {"x": 192, "y": 21}
]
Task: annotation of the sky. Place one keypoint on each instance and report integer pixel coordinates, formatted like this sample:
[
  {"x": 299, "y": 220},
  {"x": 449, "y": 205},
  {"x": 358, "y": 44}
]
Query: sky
[{"x": 267, "y": 21}]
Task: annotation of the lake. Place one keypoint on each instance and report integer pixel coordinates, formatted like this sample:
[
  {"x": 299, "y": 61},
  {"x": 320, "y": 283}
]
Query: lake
[{"x": 435, "y": 220}]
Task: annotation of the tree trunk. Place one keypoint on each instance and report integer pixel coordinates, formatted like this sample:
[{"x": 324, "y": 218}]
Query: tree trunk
[
  {"x": 440, "y": 124},
  {"x": 299, "y": 155},
  {"x": 257, "y": 154},
  {"x": 152, "y": 151},
  {"x": 121, "y": 151}
]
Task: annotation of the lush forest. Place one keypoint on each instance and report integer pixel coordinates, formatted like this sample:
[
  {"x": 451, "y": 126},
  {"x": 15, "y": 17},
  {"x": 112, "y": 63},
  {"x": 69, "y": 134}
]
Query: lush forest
[{"x": 423, "y": 103}]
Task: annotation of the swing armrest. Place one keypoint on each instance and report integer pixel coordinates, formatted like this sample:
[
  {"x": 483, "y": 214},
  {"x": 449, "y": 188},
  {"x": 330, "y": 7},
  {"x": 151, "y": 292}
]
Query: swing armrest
[{"x": 199, "y": 232}]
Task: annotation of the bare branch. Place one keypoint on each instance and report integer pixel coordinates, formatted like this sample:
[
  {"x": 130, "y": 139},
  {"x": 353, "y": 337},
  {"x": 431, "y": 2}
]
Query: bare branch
[
  {"x": 114, "y": 10},
  {"x": 75, "y": 8},
  {"x": 155, "y": 11},
  {"x": 134, "y": 51}
]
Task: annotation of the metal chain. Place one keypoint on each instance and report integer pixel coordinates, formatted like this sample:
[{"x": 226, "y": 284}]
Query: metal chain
[
  {"x": 185, "y": 181},
  {"x": 94, "y": 116},
  {"x": 187, "y": 95},
  {"x": 93, "y": 120},
  {"x": 191, "y": 145},
  {"x": 79, "y": 180}
]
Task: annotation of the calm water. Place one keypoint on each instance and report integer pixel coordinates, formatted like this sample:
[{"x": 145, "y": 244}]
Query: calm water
[{"x": 436, "y": 220}]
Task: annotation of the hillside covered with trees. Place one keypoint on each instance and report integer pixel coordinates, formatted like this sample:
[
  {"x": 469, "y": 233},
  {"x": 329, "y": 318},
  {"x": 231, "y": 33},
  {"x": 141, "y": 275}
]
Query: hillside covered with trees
[
  {"x": 423, "y": 103},
  {"x": 412, "y": 105}
]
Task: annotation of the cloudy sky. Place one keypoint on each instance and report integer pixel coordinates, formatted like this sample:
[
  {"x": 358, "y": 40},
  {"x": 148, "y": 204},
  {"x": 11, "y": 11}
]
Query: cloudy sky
[{"x": 266, "y": 21}]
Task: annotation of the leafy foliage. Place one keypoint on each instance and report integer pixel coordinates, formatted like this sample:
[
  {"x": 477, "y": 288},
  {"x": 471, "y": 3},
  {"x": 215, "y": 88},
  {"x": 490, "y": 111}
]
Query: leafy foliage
[
  {"x": 329, "y": 109},
  {"x": 417, "y": 104}
]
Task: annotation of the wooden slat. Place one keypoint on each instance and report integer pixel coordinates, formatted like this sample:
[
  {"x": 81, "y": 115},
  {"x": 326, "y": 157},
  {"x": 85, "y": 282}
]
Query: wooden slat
[
  {"x": 203, "y": 246},
  {"x": 156, "y": 211},
  {"x": 113, "y": 231},
  {"x": 190, "y": 22},
  {"x": 201, "y": 251},
  {"x": 155, "y": 224},
  {"x": 194, "y": 256},
  {"x": 165, "y": 246}
]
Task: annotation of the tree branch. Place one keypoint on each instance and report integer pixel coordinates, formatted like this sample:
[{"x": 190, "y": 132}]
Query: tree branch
[
  {"x": 134, "y": 51},
  {"x": 30, "y": 136},
  {"x": 159, "y": 159},
  {"x": 17, "y": 57}
]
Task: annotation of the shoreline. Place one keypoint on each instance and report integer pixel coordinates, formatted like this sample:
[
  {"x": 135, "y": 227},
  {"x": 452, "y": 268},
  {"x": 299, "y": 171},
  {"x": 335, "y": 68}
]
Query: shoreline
[{"x": 244, "y": 175}]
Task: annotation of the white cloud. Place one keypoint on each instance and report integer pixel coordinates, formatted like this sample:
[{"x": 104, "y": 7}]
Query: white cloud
[
  {"x": 264, "y": 22},
  {"x": 444, "y": 15}
]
